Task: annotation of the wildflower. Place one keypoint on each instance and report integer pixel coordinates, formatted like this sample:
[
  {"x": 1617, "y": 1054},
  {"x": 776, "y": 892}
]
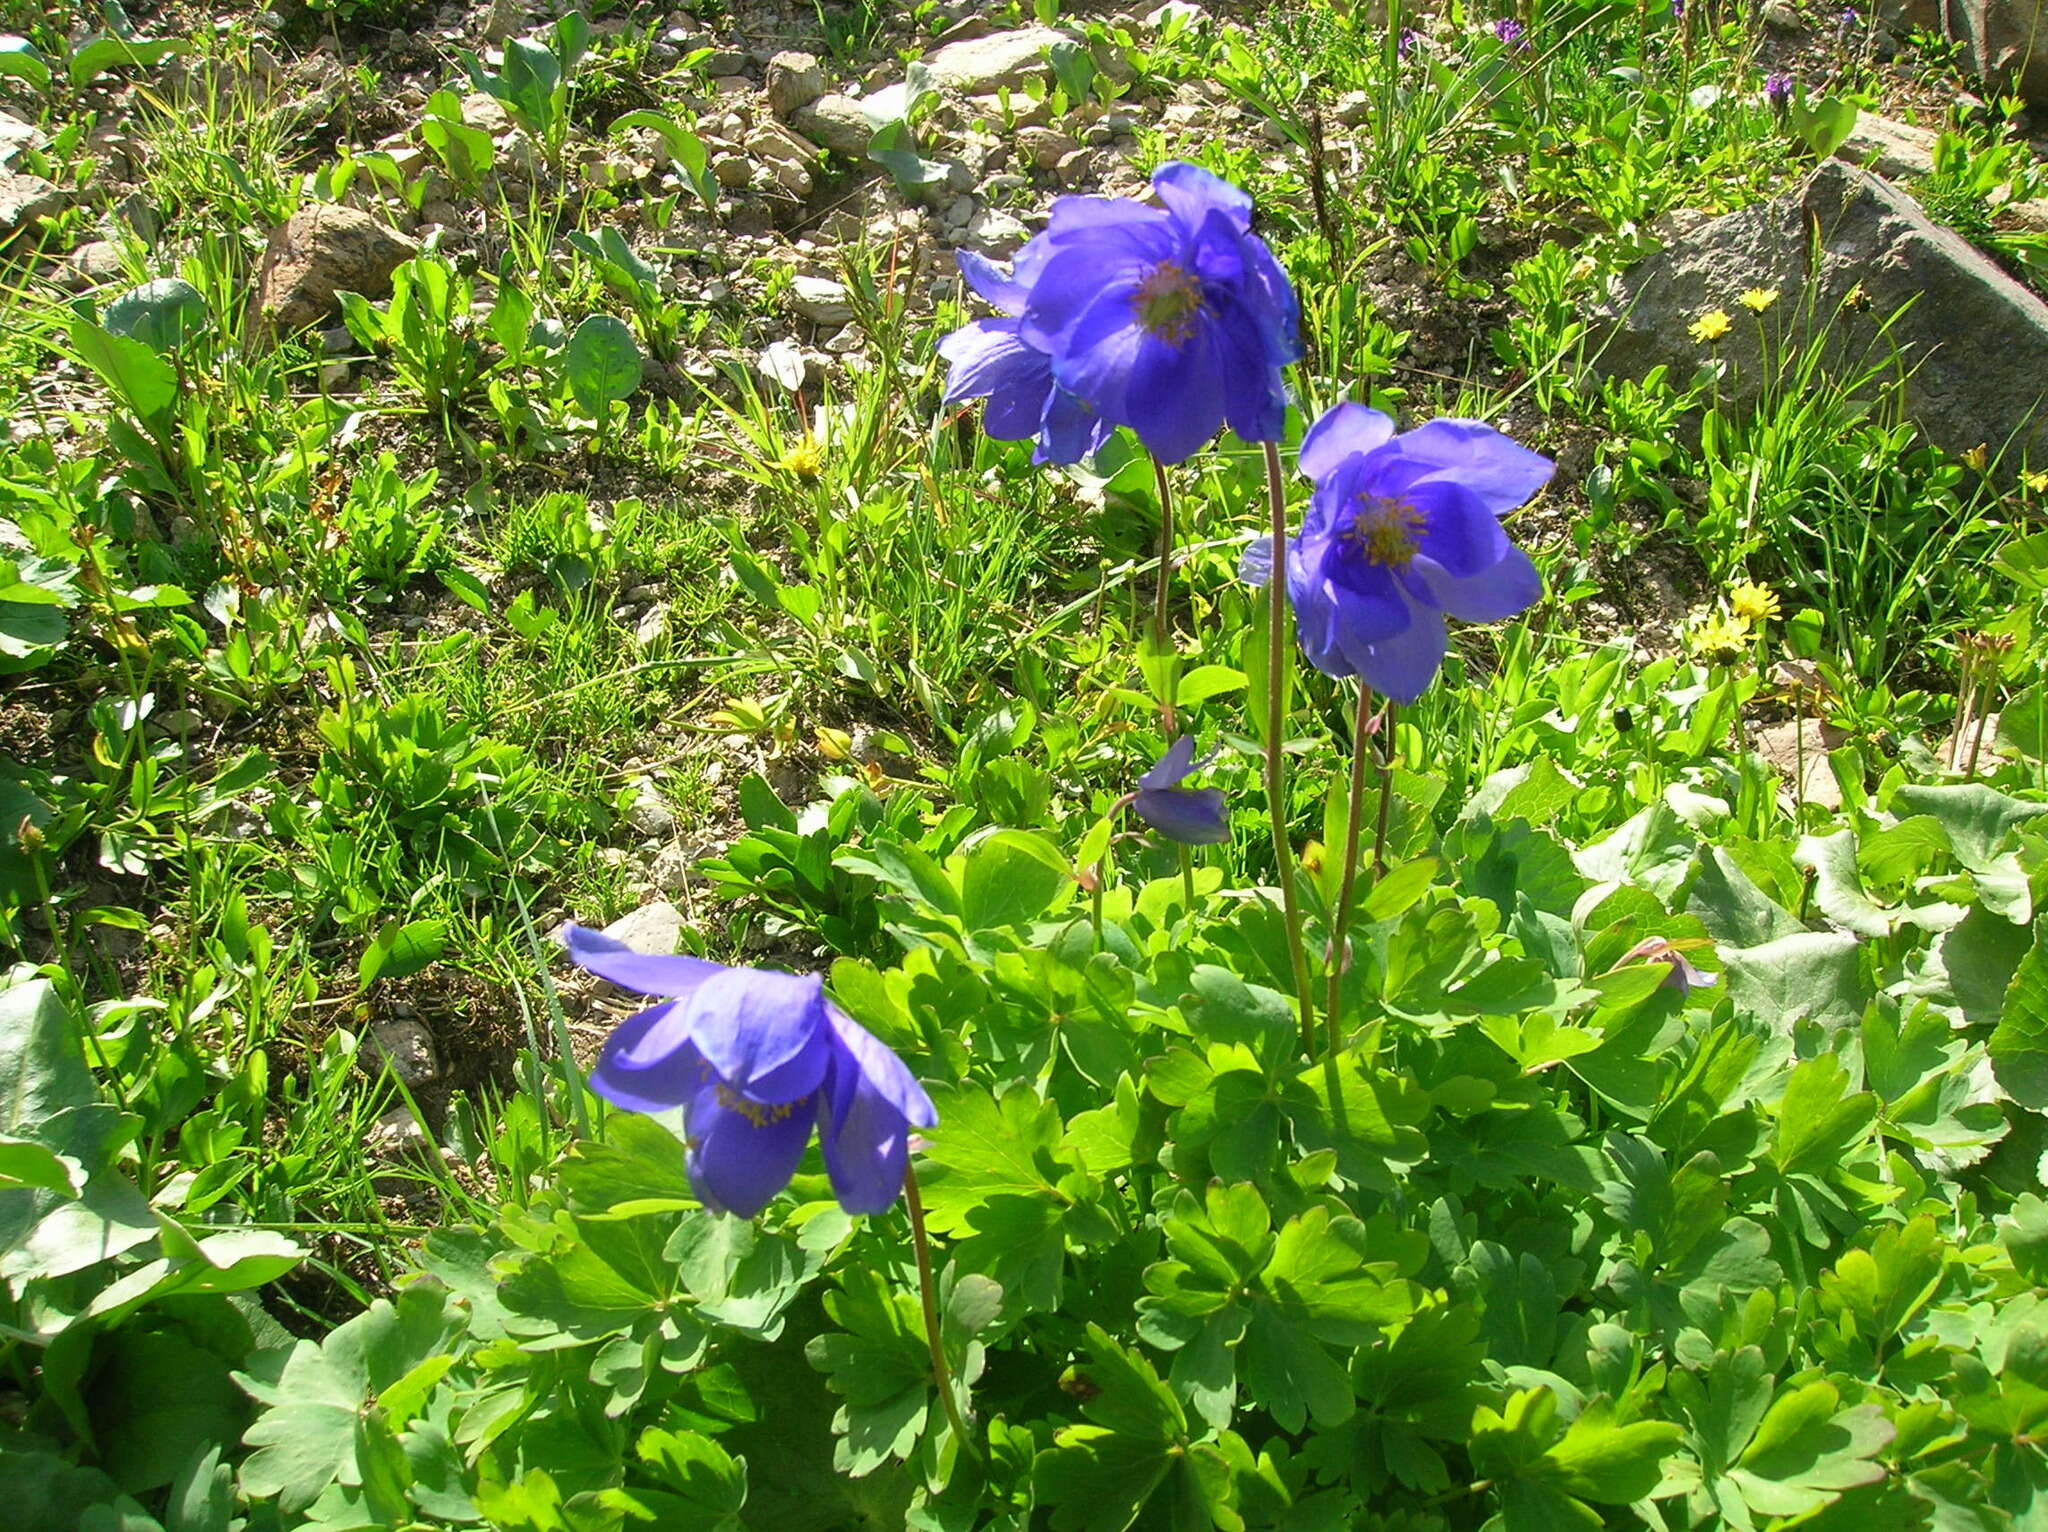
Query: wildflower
[
  {"x": 1710, "y": 327},
  {"x": 1757, "y": 299},
  {"x": 2036, "y": 482},
  {"x": 1405, "y": 43},
  {"x": 1512, "y": 33},
  {"x": 1777, "y": 89},
  {"x": 806, "y": 459},
  {"x": 1978, "y": 458},
  {"x": 990, "y": 359},
  {"x": 1660, "y": 949},
  {"x": 1172, "y": 320},
  {"x": 1678, "y": 10},
  {"x": 1857, "y": 297},
  {"x": 755, "y": 1059},
  {"x": 1402, "y": 531},
  {"x": 1750, "y": 602},
  {"x": 1720, "y": 637},
  {"x": 1194, "y": 816}
]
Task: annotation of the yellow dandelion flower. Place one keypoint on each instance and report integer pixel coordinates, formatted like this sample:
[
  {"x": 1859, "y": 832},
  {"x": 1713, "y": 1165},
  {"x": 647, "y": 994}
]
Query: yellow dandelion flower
[
  {"x": 1757, "y": 299},
  {"x": 1709, "y": 328},
  {"x": 806, "y": 459},
  {"x": 1753, "y": 603},
  {"x": 2036, "y": 482},
  {"x": 1720, "y": 637}
]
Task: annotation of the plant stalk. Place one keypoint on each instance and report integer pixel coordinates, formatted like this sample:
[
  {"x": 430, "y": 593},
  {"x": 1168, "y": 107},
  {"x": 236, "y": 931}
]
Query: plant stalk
[
  {"x": 927, "y": 1291},
  {"x": 1276, "y": 725},
  {"x": 1339, "y": 945},
  {"x": 1162, "y": 642},
  {"x": 1379, "y": 834}
]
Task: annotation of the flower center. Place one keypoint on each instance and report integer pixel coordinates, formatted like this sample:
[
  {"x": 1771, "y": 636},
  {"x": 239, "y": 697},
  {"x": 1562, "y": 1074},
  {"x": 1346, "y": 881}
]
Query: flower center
[
  {"x": 1168, "y": 302},
  {"x": 1386, "y": 531},
  {"x": 759, "y": 1113}
]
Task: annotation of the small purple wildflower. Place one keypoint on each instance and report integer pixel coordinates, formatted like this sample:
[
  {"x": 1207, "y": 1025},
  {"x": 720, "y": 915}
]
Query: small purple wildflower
[
  {"x": 1512, "y": 33},
  {"x": 1678, "y": 10},
  {"x": 1683, "y": 977},
  {"x": 1848, "y": 21},
  {"x": 1777, "y": 88},
  {"x": 1405, "y": 44},
  {"x": 1194, "y": 816}
]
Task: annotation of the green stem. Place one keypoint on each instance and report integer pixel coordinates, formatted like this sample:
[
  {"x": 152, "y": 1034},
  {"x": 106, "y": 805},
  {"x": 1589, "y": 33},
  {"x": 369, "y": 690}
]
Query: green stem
[
  {"x": 1161, "y": 641},
  {"x": 1379, "y": 834},
  {"x": 1187, "y": 875},
  {"x": 942, "y": 1375},
  {"x": 1340, "y": 929},
  {"x": 1277, "y": 635}
]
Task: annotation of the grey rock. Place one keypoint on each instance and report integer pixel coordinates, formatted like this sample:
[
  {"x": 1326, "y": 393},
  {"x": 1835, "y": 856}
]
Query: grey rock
[
  {"x": 97, "y": 261},
  {"x": 1073, "y": 169},
  {"x": 649, "y": 815},
  {"x": 1972, "y": 345},
  {"x": 397, "y": 1135},
  {"x": 319, "y": 251},
  {"x": 791, "y": 177},
  {"x": 794, "y": 80},
  {"x": 996, "y": 233},
  {"x": 654, "y": 928},
  {"x": 1781, "y": 17},
  {"x": 26, "y": 201},
  {"x": 1798, "y": 748},
  {"x": 17, "y": 136},
  {"x": 407, "y": 1046},
  {"x": 981, "y": 64},
  {"x": 1045, "y": 147},
  {"x": 1354, "y": 107},
  {"x": 838, "y": 123},
  {"x": 820, "y": 300},
  {"x": 732, "y": 170},
  {"x": 1895, "y": 150},
  {"x": 2004, "y": 41}
]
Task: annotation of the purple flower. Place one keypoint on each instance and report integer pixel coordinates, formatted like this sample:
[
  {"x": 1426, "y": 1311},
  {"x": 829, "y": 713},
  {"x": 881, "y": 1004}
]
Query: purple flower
[
  {"x": 1777, "y": 88},
  {"x": 1683, "y": 976},
  {"x": 1405, "y": 43},
  {"x": 1172, "y": 320},
  {"x": 755, "y": 1059},
  {"x": 1512, "y": 33},
  {"x": 1402, "y": 531},
  {"x": 990, "y": 360},
  {"x": 1678, "y": 10},
  {"x": 1194, "y": 816}
]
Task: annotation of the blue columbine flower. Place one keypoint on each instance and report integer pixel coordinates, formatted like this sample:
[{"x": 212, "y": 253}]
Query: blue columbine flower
[
  {"x": 1194, "y": 816},
  {"x": 755, "y": 1059},
  {"x": 1403, "y": 530},
  {"x": 1172, "y": 320},
  {"x": 990, "y": 360}
]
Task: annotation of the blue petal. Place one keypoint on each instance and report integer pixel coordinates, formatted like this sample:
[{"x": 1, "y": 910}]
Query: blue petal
[
  {"x": 1340, "y": 431},
  {"x": 644, "y": 973},
  {"x": 1191, "y": 194},
  {"x": 1254, "y": 395},
  {"x": 1255, "y": 566},
  {"x": 738, "y": 1164},
  {"x": 1194, "y": 816},
  {"x": 1267, "y": 289},
  {"x": 1176, "y": 763},
  {"x": 1402, "y": 666},
  {"x": 867, "y": 1145},
  {"x": 1002, "y": 290},
  {"x": 1511, "y": 586},
  {"x": 1494, "y": 467},
  {"x": 1146, "y": 229},
  {"x": 1099, "y": 352},
  {"x": 1367, "y": 600},
  {"x": 1079, "y": 278},
  {"x": 1068, "y": 429},
  {"x": 763, "y": 1032},
  {"x": 1175, "y": 394},
  {"x": 1458, "y": 531},
  {"x": 879, "y": 1066},
  {"x": 646, "y": 1067}
]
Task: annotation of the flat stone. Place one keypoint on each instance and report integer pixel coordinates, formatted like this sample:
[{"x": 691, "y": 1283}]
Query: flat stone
[
  {"x": 407, "y": 1046},
  {"x": 97, "y": 261},
  {"x": 397, "y": 1135},
  {"x": 1895, "y": 150},
  {"x": 1972, "y": 347},
  {"x": 655, "y": 928},
  {"x": 649, "y": 815},
  {"x": 732, "y": 170},
  {"x": 838, "y": 123},
  {"x": 820, "y": 300},
  {"x": 318, "y": 252},
  {"x": 794, "y": 80},
  {"x": 1044, "y": 148},
  {"x": 1786, "y": 745},
  {"x": 2004, "y": 41},
  {"x": 980, "y": 64},
  {"x": 772, "y": 141},
  {"x": 17, "y": 135},
  {"x": 26, "y": 201},
  {"x": 996, "y": 233}
]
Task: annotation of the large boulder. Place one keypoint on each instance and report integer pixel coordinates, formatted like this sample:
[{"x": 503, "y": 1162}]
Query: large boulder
[
  {"x": 25, "y": 201},
  {"x": 320, "y": 251},
  {"x": 1845, "y": 252},
  {"x": 2006, "y": 40}
]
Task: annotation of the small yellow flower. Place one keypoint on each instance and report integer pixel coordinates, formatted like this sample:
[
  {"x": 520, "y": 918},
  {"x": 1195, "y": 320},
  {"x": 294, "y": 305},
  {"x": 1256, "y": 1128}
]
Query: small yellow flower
[
  {"x": 1757, "y": 299},
  {"x": 1717, "y": 636},
  {"x": 1753, "y": 603},
  {"x": 1709, "y": 328},
  {"x": 2036, "y": 482},
  {"x": 1856, "y": 297},
  {"x": 806, "y": 459},
  {"x": 1977, "y": 457}
]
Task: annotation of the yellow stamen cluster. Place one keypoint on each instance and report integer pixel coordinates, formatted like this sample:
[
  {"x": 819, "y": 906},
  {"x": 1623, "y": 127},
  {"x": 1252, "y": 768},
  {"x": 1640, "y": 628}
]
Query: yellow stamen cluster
[
  {"x": 759, "y": 1113},
  {"x": 1388, "y": 532},
  {"x": 1168, "y": 302}
]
